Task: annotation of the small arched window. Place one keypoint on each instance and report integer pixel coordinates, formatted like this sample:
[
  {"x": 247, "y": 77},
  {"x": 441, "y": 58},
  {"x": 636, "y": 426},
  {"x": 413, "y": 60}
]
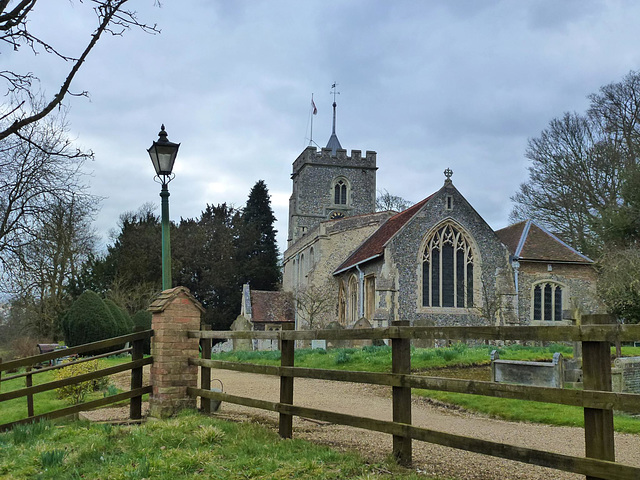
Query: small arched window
[
  {"x": 301, "y": 268},
  {"x": 447, "y": 270},
  {"x": 340, "y": 189},
  {"x": 352, "y": 308},
  {"x": 547, "y": 301}
]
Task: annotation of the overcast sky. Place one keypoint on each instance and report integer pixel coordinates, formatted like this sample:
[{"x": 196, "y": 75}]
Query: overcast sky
[{"x": 426, "y": 84}]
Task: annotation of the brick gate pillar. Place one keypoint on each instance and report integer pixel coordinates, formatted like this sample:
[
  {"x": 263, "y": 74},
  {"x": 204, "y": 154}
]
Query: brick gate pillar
[{"x": 175, "y": 312}]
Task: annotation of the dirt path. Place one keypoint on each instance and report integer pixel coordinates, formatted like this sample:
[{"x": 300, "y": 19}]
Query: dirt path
[{"x": 375, "y": 402}]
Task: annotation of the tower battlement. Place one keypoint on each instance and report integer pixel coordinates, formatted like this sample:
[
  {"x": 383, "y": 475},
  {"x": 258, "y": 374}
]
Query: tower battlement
[{"x": 315, "y": 156}]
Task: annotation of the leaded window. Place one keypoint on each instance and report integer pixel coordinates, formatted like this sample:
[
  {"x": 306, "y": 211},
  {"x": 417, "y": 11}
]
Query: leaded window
[
  {"x": 447, "y": 270},
  {"x": 340, "y": 193},
  {"x": 547, "y": 301}
]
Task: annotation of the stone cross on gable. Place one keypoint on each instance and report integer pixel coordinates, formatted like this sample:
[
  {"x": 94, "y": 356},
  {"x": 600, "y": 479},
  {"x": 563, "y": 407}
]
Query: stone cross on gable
[{"x": 448, "y": 173}]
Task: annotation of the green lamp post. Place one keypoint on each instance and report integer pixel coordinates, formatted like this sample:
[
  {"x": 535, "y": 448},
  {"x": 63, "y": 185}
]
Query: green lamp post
[{"x": 163, "y": 155}]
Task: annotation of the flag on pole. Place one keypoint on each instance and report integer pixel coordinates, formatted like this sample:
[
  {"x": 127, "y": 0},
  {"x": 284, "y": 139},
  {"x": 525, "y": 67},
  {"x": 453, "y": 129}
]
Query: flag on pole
[{"x": 313, "y": 105}]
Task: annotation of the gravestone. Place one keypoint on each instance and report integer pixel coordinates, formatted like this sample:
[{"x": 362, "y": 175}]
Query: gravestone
[{"x": 241, "y": 324}]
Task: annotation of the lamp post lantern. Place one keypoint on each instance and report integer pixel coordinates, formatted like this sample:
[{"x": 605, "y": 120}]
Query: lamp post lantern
[{"x": 163, "y": 155}]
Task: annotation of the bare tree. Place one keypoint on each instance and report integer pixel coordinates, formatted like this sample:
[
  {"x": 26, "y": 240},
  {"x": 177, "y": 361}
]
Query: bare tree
[
  {"x": 574, "y": 176},
  {"x": 24, "y": 108},
  {"x": 491, "y": 305},
  {"x": 45, "y": 266},
  {"x": 39, "y": 169},
  {"x": 578, "y": 164},
  {"x": 313, "y": 305},
  {"x": 386, "y": 201}
]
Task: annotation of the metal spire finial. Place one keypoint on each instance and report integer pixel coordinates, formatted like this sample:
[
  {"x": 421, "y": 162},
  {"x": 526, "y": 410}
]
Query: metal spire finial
[
  {"x": 334, "y": 143},
  {"x": 334, "y": 93}
]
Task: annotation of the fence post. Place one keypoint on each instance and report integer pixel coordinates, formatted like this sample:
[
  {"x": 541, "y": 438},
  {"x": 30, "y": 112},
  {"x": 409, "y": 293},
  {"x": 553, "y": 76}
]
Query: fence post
[
  {"x": 401, "y": 364},
  {"x": 137, "y": 353},
  {"x": 29, "y": 383},
  {"x": 205, "y": 372},
  {"x": 287, "y": 352},
  {"x": 596, "y": 371}
]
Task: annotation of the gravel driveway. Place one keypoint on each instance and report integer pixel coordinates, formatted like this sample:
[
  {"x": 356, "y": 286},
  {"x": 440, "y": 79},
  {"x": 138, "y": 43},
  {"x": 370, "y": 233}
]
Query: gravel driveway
[{"x": 375, "y": 402}]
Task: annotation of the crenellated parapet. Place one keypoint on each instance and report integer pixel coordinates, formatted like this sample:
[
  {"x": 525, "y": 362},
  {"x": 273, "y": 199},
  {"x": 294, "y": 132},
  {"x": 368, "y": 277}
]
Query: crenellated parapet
[{"x": 323, "y": 157}]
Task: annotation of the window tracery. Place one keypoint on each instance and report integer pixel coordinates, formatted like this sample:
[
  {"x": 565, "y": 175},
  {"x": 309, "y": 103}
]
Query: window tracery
[
  {"x": 340, "y": 191},
  {"x": 447, "y": 269},
  {"x": 547, "y": 301}
]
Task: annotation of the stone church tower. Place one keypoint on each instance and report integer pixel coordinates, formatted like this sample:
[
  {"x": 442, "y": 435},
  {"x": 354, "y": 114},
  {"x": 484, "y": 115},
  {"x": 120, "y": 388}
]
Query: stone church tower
[{"x": 329, "y": 184}]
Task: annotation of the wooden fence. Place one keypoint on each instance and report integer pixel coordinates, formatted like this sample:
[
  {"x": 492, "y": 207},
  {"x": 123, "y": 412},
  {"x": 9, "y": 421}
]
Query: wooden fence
[
  {"x": 135, "y": 365},
  {"x": 596, "y": 399}
]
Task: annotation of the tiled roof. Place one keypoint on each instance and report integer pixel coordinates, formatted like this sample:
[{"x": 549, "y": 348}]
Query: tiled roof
[
  {"x": 374, "y": 245},
  {"x": 529, "y": 241},
  {"x": 271, "y": 307}
]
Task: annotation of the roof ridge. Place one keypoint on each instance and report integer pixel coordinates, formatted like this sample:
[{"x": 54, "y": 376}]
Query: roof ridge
[
  {"x": 380, "y": 237},
  {"x": 561, "y": 241}
]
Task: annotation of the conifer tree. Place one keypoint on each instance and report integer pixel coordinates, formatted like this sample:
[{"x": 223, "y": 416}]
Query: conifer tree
[{"x": 257, "y": 249}]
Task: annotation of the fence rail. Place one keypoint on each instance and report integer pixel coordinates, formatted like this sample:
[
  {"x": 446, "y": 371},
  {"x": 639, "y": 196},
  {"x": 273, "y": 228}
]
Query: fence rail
[
  {"x": 597, "y": 400},
  {"x": 581, "y": 333},
  {"x": 135, "y": 365}
]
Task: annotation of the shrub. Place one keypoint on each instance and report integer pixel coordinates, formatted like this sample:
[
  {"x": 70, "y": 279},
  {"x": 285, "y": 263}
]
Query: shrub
[
  {"x": 124, "y": 324},
  {"x": 88, "y": 320},
  {"x": 23, "y": 347},
  {"x": 77, "y": 392},
  {"x": 342, "y": 357},
  {"x": 142, "y": 318}
]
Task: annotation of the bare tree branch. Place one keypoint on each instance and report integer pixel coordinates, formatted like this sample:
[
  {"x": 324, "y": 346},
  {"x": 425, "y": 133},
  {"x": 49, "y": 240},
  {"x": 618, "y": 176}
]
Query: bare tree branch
[{"x": 112, "y": 18}]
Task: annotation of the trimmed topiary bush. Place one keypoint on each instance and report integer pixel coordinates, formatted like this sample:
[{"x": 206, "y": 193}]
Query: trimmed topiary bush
[
  {"x": 125, "y": 326},
  {"x": 88, "y": 320},
  {"x": 142, "y": 318}
]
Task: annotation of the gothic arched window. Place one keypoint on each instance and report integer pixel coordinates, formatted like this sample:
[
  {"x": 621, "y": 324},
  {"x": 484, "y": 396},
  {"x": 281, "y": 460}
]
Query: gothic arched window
[
  {"x": 547, "y": 301},
  {"x": 447, "y": 269},
  {"x": 352, "y": 308},
  {"x": 340, "y": 189}
]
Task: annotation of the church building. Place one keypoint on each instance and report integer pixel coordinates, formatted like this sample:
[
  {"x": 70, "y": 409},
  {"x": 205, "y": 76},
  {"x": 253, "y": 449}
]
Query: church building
[{"x": 436, "y": 263}]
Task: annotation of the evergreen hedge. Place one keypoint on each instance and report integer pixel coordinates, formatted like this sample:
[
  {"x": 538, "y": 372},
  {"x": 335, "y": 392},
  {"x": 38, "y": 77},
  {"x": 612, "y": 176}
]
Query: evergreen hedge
[
  {"x": 124, "y": 323},
  {"x": 88, "y": 320},
  {"x": 142, "y": 318}
]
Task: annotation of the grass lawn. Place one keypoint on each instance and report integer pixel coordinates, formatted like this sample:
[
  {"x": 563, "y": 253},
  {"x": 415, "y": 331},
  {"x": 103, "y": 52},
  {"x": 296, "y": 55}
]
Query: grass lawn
[
  {"x": 189, "y": 446},
  {"x": 16, "y": 409},
  {"x": 378, "y": 359}
]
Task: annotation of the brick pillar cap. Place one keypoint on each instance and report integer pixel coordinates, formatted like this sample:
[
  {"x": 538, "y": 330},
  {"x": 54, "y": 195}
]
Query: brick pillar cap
[{"x": 165, "y": 298}]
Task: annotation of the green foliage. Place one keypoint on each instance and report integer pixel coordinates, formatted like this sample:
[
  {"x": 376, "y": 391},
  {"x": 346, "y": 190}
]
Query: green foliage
[
  {"x": 257, "y": 249},
  {"x": 123, "y": 321},
  {"x": 15, "y": 409},
  {"x": 52, "y": 458},
  {"x": 619, "y": 279},
  {"x": 206, "y": 262},
  {"x": 378, "y": 358},
  {"x": 142, "y": 319},
  {"x": 131, "y": 270},
  {"x": 619, "y": 283},
  {"x": 188, "y": 446},
  {"x": 76, "y": 393},
  {"x": 342, "y": 357},
  {"x": 526, "y": 411},
  {"x": 30, "y": 432},
  {"x": 88, "y": 320}
]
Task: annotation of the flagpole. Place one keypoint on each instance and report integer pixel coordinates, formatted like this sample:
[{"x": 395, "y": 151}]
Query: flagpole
[{"x": 312, "y": 114}]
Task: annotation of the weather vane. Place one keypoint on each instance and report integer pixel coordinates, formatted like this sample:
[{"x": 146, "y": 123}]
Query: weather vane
[{"x": 334, "y": 93}]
